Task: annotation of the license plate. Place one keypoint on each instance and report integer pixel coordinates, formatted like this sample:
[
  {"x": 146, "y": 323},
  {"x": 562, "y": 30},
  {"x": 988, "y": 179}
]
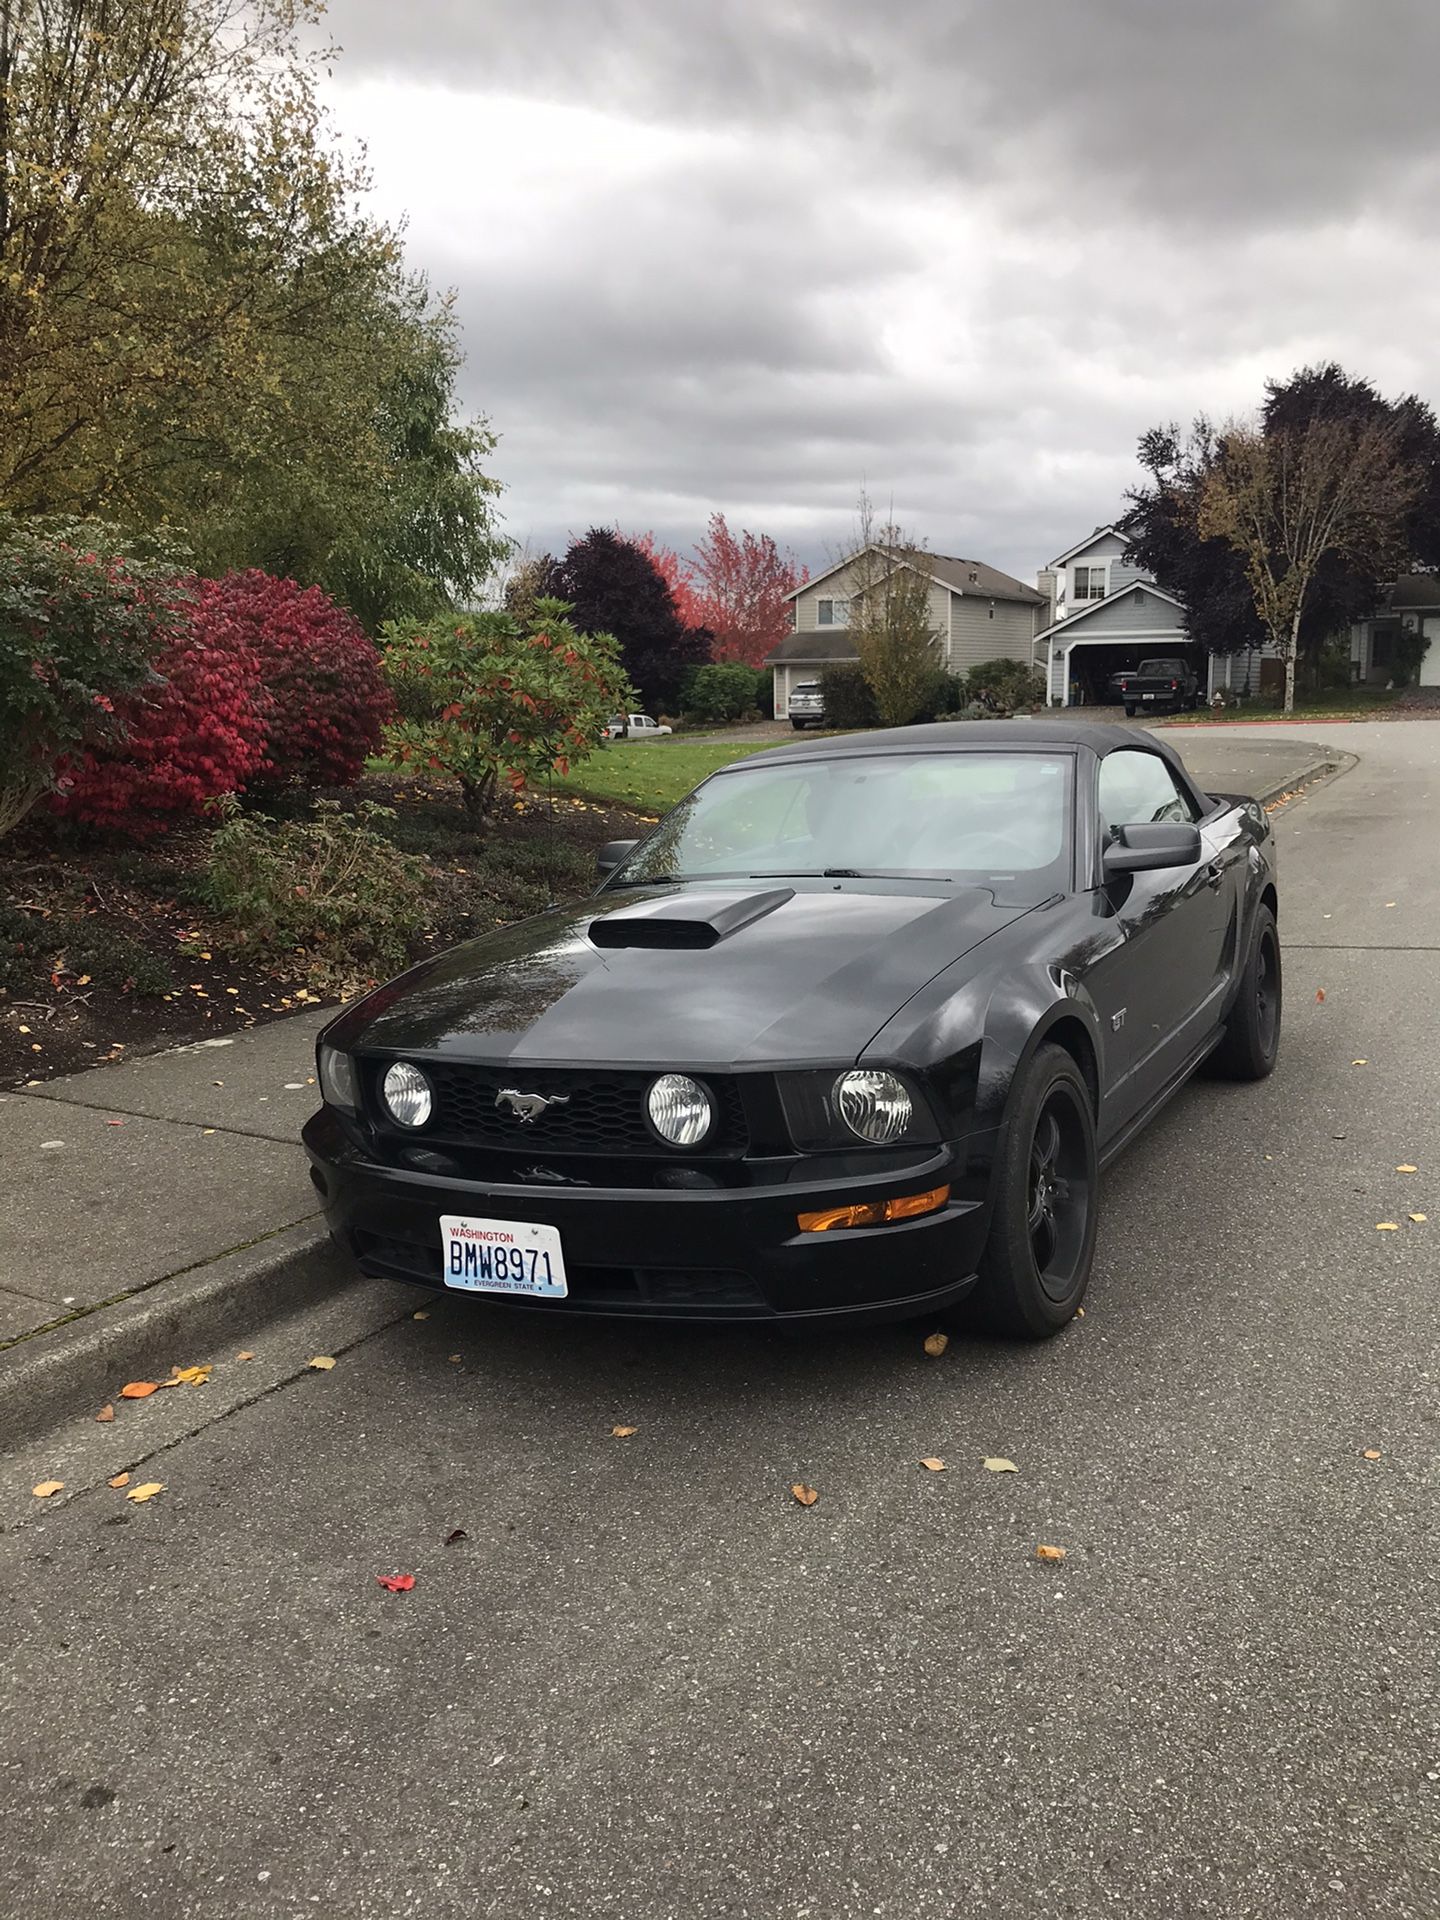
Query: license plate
[
  {"x": 502, "y": 1256},
  {"x": 1149, "y": 696}
]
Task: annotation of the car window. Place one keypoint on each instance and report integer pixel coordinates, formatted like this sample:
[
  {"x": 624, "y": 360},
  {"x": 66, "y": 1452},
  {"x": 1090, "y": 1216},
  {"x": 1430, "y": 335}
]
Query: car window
[
  {"x": 1162, "y": 669},
  {"x": 979, "y": 814},
  {"x": 1138, "y": 787}
]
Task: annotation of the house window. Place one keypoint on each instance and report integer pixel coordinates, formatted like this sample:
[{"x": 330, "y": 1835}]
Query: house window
[
  {"x": 832, "y": 613},
  {"x": 1090, "y": 583}
]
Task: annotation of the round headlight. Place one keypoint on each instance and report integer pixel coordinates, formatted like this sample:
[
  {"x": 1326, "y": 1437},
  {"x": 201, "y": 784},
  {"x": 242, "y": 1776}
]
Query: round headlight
[
  {"x": 873, "y": 1104},
  {"x": 406, "y": 1093},
  {"x": 679, "y": 1109}
]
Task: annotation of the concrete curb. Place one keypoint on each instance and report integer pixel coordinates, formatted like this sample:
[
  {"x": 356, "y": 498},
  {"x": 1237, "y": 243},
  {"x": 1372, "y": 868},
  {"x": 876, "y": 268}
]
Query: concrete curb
[
  {"x": 45, "y": 1377},
  {"x": 1323, "y": 766}
]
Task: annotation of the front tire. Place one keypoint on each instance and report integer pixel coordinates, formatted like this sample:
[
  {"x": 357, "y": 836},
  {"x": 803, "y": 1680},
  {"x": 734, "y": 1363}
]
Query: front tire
[
  {"x": 1036, "y": 1263},
  {"x": 1252, "y": 1033}
]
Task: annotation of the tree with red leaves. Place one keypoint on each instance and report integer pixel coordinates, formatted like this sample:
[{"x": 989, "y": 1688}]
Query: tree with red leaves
[
  {"x": 678, "y": 575},
  {"x": 741, "y": 587}
]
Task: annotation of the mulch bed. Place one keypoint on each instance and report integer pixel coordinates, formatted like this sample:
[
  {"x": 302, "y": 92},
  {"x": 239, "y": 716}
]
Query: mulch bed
[{"x": 121, "y": 959}]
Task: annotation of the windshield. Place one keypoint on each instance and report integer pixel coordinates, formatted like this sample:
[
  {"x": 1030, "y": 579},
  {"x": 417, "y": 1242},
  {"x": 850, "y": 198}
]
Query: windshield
[
  {"x": 1162, "y": 669},
  {"x": 974, "y": 815}
]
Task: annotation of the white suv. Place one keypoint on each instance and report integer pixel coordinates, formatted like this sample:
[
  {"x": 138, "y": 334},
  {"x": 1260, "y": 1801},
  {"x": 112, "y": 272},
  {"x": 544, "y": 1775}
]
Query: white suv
[{"x": 807, "y": 705}]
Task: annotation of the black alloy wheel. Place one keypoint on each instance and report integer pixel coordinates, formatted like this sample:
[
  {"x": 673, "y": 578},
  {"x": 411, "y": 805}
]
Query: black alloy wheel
[
  {"x": 1036, "y": 1263},
  {"x": 1251, "y": 1044}
]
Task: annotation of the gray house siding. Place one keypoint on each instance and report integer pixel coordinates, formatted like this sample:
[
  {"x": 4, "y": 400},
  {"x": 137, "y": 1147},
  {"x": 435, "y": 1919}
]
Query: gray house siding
[
  {"x": 1137, "y": 613},
  {"x": 988, "y": 630}
]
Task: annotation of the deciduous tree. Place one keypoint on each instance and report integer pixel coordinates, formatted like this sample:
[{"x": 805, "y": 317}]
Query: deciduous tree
[
  {"x": 1288, "y": 499},
  {"x": 742, "y": 586},
  {"x": 890, "y": 623},
  {"x": 613, "y": 587}
]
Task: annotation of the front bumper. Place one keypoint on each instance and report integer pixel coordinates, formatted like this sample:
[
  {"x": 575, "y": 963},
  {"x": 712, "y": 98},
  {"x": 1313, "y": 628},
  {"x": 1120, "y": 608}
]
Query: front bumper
[{"x": 729, "y": 1254}]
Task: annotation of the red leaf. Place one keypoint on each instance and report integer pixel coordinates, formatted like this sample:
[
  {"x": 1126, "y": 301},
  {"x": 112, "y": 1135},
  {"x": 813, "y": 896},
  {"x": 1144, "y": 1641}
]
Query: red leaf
[{"x": 396, "y": 1582}]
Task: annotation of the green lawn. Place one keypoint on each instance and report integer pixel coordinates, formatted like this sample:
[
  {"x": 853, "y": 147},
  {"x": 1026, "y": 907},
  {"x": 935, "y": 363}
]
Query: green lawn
[
  {"x": 1342, "y": 703},
  {"x": 652, "y": 775}
]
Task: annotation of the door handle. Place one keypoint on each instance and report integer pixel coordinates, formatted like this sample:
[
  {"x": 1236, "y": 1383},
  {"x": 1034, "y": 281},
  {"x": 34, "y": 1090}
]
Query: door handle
[{"x": 1214, "y": 874}]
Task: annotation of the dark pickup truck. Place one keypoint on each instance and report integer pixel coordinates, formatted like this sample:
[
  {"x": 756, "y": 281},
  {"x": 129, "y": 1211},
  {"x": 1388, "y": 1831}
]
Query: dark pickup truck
[{"x": 1159, "y": 683}]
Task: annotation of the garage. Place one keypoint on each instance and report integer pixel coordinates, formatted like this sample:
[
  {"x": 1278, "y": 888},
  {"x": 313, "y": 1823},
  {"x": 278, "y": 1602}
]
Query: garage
[{"x": 1093, "y": 662}]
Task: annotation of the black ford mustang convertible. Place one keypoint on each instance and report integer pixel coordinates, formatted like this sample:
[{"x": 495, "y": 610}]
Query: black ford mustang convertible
[{"x": 852, "y": 1033}]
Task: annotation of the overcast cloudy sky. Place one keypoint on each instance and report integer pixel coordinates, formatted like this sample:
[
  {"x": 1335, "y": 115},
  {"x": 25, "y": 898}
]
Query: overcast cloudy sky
[{"x": 751, "y": 254}]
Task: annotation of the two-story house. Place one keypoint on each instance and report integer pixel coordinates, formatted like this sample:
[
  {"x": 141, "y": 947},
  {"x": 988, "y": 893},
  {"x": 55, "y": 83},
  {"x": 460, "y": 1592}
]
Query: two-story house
[
  {"x": 1105, "y": 614},
  {"x": 976, "y": 613}
]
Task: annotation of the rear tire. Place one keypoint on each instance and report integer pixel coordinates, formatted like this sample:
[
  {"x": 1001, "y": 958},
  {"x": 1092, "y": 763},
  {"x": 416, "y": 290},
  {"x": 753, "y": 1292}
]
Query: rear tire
[
  {"x": 1252, "y": 1033},
  {"x": 1036, "y": 1263},
  {"x": 1129, "y": 711},
  {"x": 799, "y": 725}
]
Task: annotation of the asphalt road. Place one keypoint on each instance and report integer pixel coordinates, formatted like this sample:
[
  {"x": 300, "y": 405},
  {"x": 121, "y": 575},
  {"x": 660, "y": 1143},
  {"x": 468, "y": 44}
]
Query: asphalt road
[{"x": 648, "y": 1684}]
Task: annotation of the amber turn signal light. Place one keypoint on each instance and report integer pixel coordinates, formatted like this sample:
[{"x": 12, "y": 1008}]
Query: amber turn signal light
[{"x": 875, "y": 1212}]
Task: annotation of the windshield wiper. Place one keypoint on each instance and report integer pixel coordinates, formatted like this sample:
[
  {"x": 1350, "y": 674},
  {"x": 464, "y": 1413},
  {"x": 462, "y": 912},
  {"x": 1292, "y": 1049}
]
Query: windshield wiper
[{"x": 851, "y": 873}]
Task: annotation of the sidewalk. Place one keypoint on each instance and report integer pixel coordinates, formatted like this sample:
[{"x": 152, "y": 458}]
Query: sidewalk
[{"x": 154, "y": 1195}]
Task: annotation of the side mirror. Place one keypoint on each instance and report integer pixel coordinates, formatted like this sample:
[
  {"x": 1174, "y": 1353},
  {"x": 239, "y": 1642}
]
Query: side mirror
[
  {"x": 1146, "y": 849},
  {"x": 615, "y": 853}
]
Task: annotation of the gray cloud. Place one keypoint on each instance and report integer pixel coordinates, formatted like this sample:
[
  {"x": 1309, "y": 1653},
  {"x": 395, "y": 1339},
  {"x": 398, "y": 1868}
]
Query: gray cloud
[{"x": 961, "y": 253}]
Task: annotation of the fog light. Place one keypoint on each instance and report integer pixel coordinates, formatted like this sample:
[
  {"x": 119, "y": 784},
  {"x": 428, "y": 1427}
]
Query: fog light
[
  {"x": 875, "y": 1213},
  {"x": 406, "y": 1093},
  {"x": 873, "y": 1104},
  {"x": 679, "y": 1109}
]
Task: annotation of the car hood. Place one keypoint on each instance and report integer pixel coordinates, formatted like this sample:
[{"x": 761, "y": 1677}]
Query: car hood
[{"x": 752, "y": 975}]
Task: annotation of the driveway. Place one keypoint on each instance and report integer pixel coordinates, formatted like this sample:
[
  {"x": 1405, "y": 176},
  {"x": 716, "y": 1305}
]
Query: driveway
[{"x": 645, "y": 1683}]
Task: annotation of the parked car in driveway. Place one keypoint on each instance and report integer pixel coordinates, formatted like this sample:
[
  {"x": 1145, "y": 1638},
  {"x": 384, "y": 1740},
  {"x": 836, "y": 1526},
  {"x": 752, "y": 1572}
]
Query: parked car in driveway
[
  {"x": 851, "y": 1033},
  {"x": 1160, "y": 683},
  {"x": 635, "y": 726},
  {"x": 806, "y": 705}
]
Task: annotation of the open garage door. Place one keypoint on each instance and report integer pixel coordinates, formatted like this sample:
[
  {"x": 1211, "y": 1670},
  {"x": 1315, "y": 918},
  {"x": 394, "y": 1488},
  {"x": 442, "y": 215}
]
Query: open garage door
[{"x": 1094, "y": 665}]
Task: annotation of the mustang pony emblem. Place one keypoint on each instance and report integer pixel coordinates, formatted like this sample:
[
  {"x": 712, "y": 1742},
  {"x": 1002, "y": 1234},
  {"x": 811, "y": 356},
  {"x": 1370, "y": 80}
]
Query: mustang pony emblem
[{"x": 529, "y": 1106}]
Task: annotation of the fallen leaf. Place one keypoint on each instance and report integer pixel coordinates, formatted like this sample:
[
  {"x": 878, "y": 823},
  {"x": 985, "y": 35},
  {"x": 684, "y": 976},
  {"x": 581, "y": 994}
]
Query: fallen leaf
[
  {"x": 1405, "y": 1167},
  {"x": 1387, "y": 1226},
  {"x": 396, "y": 1582},
  {"x": 114, "y": 1123},
  {"x": 107, "y": 1412},
  {"x": 194, "y": 1376},
  {"x": 46, "y": 1488},
  {"x": 1049, "y": 1553},
  {"x": 1359, "y": 1063},
  {"x": 120, "y": 1480},
  {"x": 1419, "y": 1218},
  {"x": 933, "y": 1466},
  {"x": 1389, "y": 903},
  {"x": 622, "y": 1433},
  {"x": 807, "y": 1496},
  {"x": 205, "y": 1132},
  {"x": 322, "y": 1362},
  {"x": 454, "y": 1359},
  {"x": 456, "y": 1533},
  {"x": 1319, "y": 993},
  {"x": 139, "y": 1389},
  {"x": 423, "y": 1314},
  {"x": 147, "y": 1492},
  {"x": 997, "y": 1465},
  {"x": 936, "y": 1344},
  {"x": 246, "y": 1355},
  {"x": 1372, "y": 1453},
  {"x": 1079, "y": 1313}
]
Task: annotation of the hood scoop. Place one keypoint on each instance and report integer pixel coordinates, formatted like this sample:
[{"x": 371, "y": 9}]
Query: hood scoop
[{"x": 685, "y": 921}]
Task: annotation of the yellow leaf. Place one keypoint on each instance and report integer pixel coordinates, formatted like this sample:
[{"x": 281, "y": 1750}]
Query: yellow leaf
[
  {"x": 622, "y": 1433},
  {"x": 1405, "y": 1167},
  {"x": 147, "y": 1492},
  {"x": 1418, "y": 1218},
  {"x": 1049, "y": 1553},
  {"x": 322, "y": 1362},
  {"x": 120, "y": 1480},
  {"x": 936, "y": 1344},
  {"x": 807, "y": 1496},
  {"x": 997, "y": 1465},
  {"x": 1387, "y": 1226},
  {"x": 1359, "y": 1063},
  {"x": 46, "y": 1488},
  {"x": 1372, "y": 1453},
  {"x": 193, "y": 1376},
  {"x": 138, "y": 1389},
  {"x": 933, "y": 1466},
  {"x": 245, "y": 1355},
  {"x": 423, "y": 1314}
]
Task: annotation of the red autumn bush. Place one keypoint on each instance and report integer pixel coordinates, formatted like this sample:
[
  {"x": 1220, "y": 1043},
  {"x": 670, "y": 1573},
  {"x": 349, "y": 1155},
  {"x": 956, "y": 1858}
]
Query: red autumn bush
[
  {"x": 199, "y": 731},
  {"x": 327, "y": 700}
]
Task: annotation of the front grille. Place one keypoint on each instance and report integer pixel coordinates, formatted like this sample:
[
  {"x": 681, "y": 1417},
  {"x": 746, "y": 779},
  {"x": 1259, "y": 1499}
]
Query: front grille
[{"x": 596, "y": 1113}]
